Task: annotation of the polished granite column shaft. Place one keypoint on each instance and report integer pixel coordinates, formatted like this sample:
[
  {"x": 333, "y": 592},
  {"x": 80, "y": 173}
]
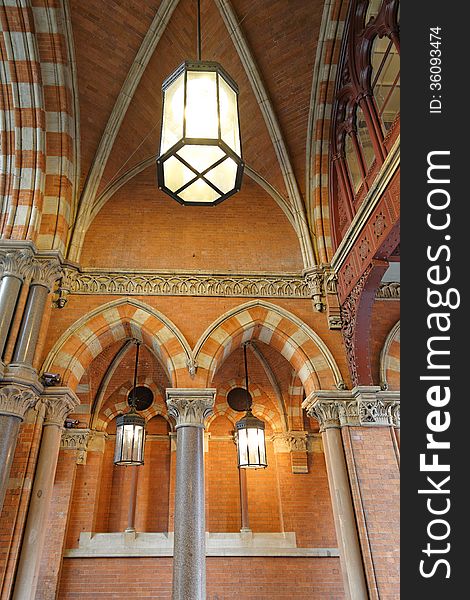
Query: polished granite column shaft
[
  {"x": 189, "y": 407},
  {"x": 14, "y": 265},
  {"x": 59, "y": 403},
  {"x": 15, "y": 400}
]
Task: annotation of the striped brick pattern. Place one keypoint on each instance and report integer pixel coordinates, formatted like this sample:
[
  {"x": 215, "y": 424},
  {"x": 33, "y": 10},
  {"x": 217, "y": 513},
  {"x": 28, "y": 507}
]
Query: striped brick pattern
[
  {"x": 273, "y": 326},
  {"x": 58, "y": 205},
  {"x": 328, "y": 54},
  {"x": 390, "y": 360},
  {"x": 22, "y": 125},
  {"x": 294, "y": 407},
  {"x": 36, "y": 124},
  {"x": 116, "y": 321}
]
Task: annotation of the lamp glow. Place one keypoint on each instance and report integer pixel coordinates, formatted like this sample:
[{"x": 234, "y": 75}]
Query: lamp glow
[
  {"x": 251, "y": 442},
  {"x": 130, "y": 434},
  {"x": 200, "y": 158}
]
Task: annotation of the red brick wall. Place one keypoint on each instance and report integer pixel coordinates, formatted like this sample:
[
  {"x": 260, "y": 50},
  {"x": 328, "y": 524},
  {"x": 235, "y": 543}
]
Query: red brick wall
[
  {"x": 258, "y": 578},
  {"x": 142, "y": 228},
  {"x": 374, "y": 473},
  {"x": 385, "y": 313}
]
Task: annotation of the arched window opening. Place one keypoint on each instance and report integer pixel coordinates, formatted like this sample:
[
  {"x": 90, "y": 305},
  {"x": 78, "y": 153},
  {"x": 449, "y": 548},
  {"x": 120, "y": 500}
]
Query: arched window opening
[
  {"x": 352, "y": 160},
  {"x": 372, "y": 10},
  {"x": 364, "y": 139},
  {"x": 385, "y": 80}
]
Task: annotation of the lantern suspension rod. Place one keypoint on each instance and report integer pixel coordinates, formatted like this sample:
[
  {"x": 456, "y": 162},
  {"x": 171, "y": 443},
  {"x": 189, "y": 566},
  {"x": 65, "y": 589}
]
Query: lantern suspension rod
[
  {"x": 199, "y": 29},
  {"x": 246, "y": 377},
  {"x": 133, "y": 404}
]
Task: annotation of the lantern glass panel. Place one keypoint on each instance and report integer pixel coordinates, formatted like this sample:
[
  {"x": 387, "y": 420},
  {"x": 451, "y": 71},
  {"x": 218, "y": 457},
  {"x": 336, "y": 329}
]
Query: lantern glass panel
[
  {"x": 173, "y": 110},
  {"x": 229, "y": 116},
  {"x": 199, "y": 191},
  {"x": 201, "y": 157},
  {"x": 202, "y": 119},
  {"x": 129, "y": 448},
  {"x": 176, "y": 174},
  {"x": 251, "y": 448},
  {"x": 223, "y": 176}
]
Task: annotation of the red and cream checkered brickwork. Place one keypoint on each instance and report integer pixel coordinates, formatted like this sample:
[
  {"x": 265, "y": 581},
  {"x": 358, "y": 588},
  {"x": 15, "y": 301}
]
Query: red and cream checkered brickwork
[
  {"x": 300, "y": 345},
  {"x": 38, "y": 127},
  {"x": 328, "y": 54},
  {"x": 117, "y": 320}
]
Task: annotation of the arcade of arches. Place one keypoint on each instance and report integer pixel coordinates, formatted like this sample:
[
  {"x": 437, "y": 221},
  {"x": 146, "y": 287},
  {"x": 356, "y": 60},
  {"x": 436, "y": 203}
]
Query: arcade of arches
[{"x": 300, "y": 268}]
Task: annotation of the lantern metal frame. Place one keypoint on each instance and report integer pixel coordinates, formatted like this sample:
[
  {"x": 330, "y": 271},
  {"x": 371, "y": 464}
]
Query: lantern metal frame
[
  {"x": 249, "y": 421},
  {"x": 229, "y": 153},
  {"x": 134, "y": 420},
  {"x": 207, "y": 67}
]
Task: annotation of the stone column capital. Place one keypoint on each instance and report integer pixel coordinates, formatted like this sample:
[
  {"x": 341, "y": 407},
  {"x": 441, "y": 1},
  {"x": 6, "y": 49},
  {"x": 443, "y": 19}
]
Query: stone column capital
[
  {"x": 60, "y": 402},
  {"x": 46, "y": 272},
  {"x": 16, "y": 399},
  {"x": 361, "y": 407},
  {"x": 190, "y": 407},
  {"x": 16, "y": 262}
]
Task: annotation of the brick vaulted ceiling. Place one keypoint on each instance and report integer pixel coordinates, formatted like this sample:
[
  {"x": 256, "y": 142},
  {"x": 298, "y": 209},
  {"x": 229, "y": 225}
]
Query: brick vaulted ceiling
[{"x": 281, "y": 38}]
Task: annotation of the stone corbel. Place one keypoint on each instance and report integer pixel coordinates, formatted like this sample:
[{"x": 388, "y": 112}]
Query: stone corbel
[
  {"x": 314, "y": 280},
  {"x": 296, "y": 444},
  {"x": 66, "y": 284},
  {"x": 333, "y": 307},
  {"x": 83, "y": 441}
]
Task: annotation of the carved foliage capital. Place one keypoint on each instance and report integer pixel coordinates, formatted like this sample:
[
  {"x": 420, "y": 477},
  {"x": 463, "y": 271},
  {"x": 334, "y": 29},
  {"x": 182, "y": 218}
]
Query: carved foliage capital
[
  {"x": 292, "y": 441},
  {"x": 15, "y": 400},
  {"x": 17, "y": 263},
  {"x": 59, "y": 404},
  {"x": 327, "y": 413},
  {"x": 190, "y": 407},
  {"x": 46, "y": 272}
]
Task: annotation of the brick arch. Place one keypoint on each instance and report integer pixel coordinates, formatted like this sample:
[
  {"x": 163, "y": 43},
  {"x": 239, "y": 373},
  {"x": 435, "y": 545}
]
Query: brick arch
[
  {"x": 275, "y": 326},
  {"x": 118, "y": 320},
  {"x": 390, "y": 360}
]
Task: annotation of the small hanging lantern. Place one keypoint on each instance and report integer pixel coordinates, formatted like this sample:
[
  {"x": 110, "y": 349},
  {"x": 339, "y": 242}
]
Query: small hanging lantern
[
  {"x": 251, "y": 444},
  {"x": 130, "y": 431},
  {"x": 200, "y": 157}
]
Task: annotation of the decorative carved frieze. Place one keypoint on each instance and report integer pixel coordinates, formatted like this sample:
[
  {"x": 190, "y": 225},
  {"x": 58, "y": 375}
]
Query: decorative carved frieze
[
  {"x": 16, "y": 399},
  {"x": 184, "y": 284},
  {"x": 388, "y": 291},
  {"x": 189, "y": 407}
]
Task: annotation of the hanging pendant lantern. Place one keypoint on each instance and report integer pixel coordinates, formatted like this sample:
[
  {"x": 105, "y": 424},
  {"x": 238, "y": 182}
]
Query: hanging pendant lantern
[
  {"x": 200, "y": 156},
  {"x": 251, "y": 443},
  {"x": 130, "y": 431}
]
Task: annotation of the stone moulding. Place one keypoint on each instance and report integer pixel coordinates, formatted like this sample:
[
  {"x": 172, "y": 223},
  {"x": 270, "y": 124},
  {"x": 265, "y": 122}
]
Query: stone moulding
[{"x": 186, "y": 284}]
